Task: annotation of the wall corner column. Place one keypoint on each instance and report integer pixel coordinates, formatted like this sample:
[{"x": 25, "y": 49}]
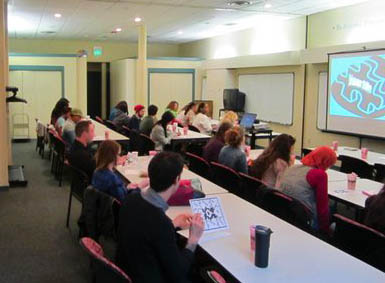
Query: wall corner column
[
  {"x": 4, "y": 139},
  {"x": 81, "y": 70},
  {"x": 141, "y": 67}
]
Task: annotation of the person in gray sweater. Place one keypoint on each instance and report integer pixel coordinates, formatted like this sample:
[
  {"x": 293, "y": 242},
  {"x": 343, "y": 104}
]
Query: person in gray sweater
[
  {"x": 231, "y": 155},
  {"x": 159, "y": 134}
]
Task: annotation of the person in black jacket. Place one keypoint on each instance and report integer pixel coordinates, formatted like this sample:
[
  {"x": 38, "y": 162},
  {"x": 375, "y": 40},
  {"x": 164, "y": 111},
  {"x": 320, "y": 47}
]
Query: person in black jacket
[
  {"x": 147, "y": 248},
  {"x": 80, "y": 155},
  {"x": 135, "y": 120}
]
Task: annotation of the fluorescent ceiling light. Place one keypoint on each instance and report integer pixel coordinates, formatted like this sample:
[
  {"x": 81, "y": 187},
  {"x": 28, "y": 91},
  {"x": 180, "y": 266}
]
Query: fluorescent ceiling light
[
  {"x": 180, "y": 32},
  {"x": 17, "y": 23},
  {"x": 137, "y": 20},
  {"x": 268, "y": 5},
  {"x": 57, "y": 15},
  {"x": 118, "y": 29}
]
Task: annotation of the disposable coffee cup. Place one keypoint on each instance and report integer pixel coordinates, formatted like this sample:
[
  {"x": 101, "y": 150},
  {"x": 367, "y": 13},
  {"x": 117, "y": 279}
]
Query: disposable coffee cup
[{"x": 262, "y": 246}]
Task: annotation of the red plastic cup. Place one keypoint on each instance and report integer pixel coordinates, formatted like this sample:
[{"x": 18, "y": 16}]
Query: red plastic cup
[
  {"x": 107, "y": 135},
  {"x": 364, "y": 153}
]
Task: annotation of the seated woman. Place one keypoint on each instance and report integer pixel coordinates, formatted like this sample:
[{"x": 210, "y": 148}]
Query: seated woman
[
  {"x": 121, "y": 116},
  {"x": 159, "y": 134},
  {"x": 232, "y": 155},
  {"x": 375, "y": 211},
  {"x": 172, "y": 107},
  {"x": 187, "y": 114},
  {"x": 121, "y": 106},
  {"x": 60, "y": 106},
  {"x": 214, "y": 146},
  {"x": 231, "y": 117},
  {"x": 275, "y": 159},
  {"x": 105, "y": 178},
  {"x": 201, "y": 121},
  {"x": 308, "y": 183},
  {"x": 60, "y": 122}
]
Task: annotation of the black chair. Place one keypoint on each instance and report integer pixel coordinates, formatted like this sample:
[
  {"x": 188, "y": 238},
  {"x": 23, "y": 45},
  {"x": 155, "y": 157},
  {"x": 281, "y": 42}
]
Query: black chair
[
  {"x": 134, "y": 142},
  {"x": 287, "y": 208},
  {"x": 146, "y": 145},
  {"x": 361, "y": 168},
  {"x": 380, "y": 172},
  {"x": 58, "y": 158},
  {"x": 193, "y": 128},
  {"x": 110, "y": 125},
  {"x": 125, "y": 131},
  {"x": 252, "y": 189},
  {"x": 79, "y": 183},
  {"x": 360, "y": 241},
  {"x": 226, "y": 177},
  {"x": 306, "y": 151},
  {"x": 199, "y": 165},
  {"x": 100, "y": 120}
]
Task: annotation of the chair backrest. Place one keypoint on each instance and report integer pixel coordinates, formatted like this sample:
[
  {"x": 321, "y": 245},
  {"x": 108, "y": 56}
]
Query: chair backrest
[
  {"x": 134, "y": 141},
  {"x": 193, "y": 128},
  {"x": 146, "y": 145},
  {"x": 100, "y": 120},
  {"x": 252, "y": 189},
  {"x": 306, "y": 151},
  {"x": 226, "y": 177},
  {"x": 104, "y": 269},
  {"x": 380, "y": 172},
  {"x": 110, "y": 125},
  {"x": 79, "y": 183},
  {"x": 359, "y": 240},
  {"x": 361, "y": 168},
  {"x": 287, "y": 208},
  {"x": 199, "y": 165}
]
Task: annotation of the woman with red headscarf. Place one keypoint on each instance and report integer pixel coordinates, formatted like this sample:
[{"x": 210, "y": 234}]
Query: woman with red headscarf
[{"x": 308, "y": 183}]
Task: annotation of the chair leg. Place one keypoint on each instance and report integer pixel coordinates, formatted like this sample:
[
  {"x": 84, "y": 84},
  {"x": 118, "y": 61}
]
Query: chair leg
[
  {"x": 60, "y": 171},
  {"x": 52, "y": 158},
  {"x": 69, "y": 209}
]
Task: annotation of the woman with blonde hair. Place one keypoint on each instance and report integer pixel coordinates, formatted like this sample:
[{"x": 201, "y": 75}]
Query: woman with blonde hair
[
  {"x": 232, "y": 155},
  {"x": 173, "y": 108},
  {"x": 105, "y": 178},
  {"x": 231, "y": 117}
]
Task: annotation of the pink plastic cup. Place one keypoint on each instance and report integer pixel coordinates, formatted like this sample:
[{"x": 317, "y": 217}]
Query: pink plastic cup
[
  {"x": 364, "y": 153},
  {"x": 185, "y": 131},
  {"x": 174, "y": 127},
  {"x": 152, "y": 152},
  {"x": 252, "y": 238},
  {"x": 107, "y": 135},
  {"x": 247, "y": 150},
  {"x": 335, "y": 145},
  {"x": 352, "y": 180}
]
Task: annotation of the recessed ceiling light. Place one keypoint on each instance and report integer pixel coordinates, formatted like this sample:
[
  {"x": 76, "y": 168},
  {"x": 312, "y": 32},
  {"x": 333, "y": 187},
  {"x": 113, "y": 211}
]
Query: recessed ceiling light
[
  {"x": 57, "y": 15},
  {"x": 118, "y": 29},
  {"x": 180, "y": 32},
  {"x": 268, "y": 5},
  {"x": 137, "y": 20},
  {"x": 224, "y": 10}
]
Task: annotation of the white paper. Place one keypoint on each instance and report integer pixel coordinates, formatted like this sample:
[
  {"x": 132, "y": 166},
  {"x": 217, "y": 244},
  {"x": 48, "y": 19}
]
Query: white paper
[{"x": 212, "y": 213}]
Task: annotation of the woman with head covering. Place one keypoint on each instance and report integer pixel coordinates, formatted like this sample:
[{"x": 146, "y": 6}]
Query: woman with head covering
[{"x": 308, "y": 183}]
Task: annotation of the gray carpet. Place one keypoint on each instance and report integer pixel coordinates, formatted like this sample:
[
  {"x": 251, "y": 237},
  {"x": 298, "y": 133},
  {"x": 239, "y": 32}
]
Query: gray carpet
[{"x": 35, "y": 245}]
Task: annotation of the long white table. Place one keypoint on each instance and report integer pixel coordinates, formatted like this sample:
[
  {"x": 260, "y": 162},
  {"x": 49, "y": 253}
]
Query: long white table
[
  {"x": 373, "y": 157},
  {"x": 295, "y": 256},
  {"x": 100, "y": 130},
  {"x": 132, "y": 172},
  {"x": 190, "y": 137}
]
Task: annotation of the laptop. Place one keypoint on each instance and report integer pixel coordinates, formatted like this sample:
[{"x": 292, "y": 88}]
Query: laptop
[{"x": 248, "y": 120}]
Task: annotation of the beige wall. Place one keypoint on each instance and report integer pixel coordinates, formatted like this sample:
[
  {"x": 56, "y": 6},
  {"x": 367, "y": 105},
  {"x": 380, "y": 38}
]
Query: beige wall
[
  {"x": 353, "y": 24},
  {"x": 111, "y": 50}
]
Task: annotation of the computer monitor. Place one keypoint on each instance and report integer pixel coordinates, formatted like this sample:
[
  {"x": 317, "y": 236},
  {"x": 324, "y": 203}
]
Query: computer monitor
[{"x": 248, "y": 120}]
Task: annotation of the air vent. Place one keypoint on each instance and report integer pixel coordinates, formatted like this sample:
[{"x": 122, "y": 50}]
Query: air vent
[
  {"x": 48, "y": 32},
  {"x": 230, "y": 24},
  {"x": 240, "y": 3}
]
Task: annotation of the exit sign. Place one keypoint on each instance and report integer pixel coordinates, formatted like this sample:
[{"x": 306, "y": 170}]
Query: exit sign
[{"x": 98, "y": 51}]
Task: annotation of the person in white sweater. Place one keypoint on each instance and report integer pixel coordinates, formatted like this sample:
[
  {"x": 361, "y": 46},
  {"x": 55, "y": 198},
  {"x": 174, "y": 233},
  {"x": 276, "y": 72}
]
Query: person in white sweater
[
  {"x": 201, "y": 121},
  {"x": 187, "y": 114}
]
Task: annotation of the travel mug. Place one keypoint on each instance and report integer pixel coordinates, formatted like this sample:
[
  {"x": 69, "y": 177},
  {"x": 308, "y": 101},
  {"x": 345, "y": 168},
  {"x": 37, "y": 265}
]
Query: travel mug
[{"x": 262, "y": 245}]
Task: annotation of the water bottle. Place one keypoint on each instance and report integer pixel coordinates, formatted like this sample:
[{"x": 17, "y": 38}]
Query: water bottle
[{"x": 262, "y": 245}]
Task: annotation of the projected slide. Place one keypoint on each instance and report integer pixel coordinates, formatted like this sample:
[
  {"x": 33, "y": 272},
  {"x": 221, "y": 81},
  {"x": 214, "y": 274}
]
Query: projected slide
[
  {"x": 358, "y": 87},
  {"x": 356, "y": 98}
]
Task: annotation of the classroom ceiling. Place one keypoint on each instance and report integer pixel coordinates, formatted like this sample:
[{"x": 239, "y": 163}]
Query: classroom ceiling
[{"x": 172, "y": 21}]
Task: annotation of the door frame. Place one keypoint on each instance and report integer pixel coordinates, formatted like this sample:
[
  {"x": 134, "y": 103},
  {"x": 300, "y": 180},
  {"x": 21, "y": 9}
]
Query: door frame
[
  {"x": 169, "y": 71},
  {"x": 44, "y": 68}
]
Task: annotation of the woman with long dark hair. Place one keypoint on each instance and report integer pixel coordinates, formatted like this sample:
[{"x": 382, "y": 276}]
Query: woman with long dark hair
[
  {"x": 119, "y": 108},
  {"x": 159, "y": 134},
  {"x": 187, "y": 114},
  {"x": 61, "y": 106},
  {"x": 216, "y": 143},
  {"x": 201, "y": 121},
  {"x": 275, "y": 159}
]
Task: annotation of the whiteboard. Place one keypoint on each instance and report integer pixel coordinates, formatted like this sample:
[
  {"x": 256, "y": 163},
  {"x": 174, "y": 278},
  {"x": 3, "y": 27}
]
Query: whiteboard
[
  {"x": 322, "y": 100},
  {"x": 270, "y": 96}
]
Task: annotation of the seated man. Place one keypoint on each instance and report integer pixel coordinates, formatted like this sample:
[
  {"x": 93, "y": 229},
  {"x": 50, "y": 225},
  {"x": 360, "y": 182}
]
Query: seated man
[
  {"x": 80, "y": 155},
  {"x": 68, "y": 134},
  {"x": 147, "y": 248},
  {"x": 135, "y": 120}
]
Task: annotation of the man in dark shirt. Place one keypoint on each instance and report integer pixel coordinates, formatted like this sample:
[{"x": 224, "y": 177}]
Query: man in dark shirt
[
  {"x": 147, "y": 248},
  {"x": 80, "y": 155},
  {"x": 134, "y": 122}
]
